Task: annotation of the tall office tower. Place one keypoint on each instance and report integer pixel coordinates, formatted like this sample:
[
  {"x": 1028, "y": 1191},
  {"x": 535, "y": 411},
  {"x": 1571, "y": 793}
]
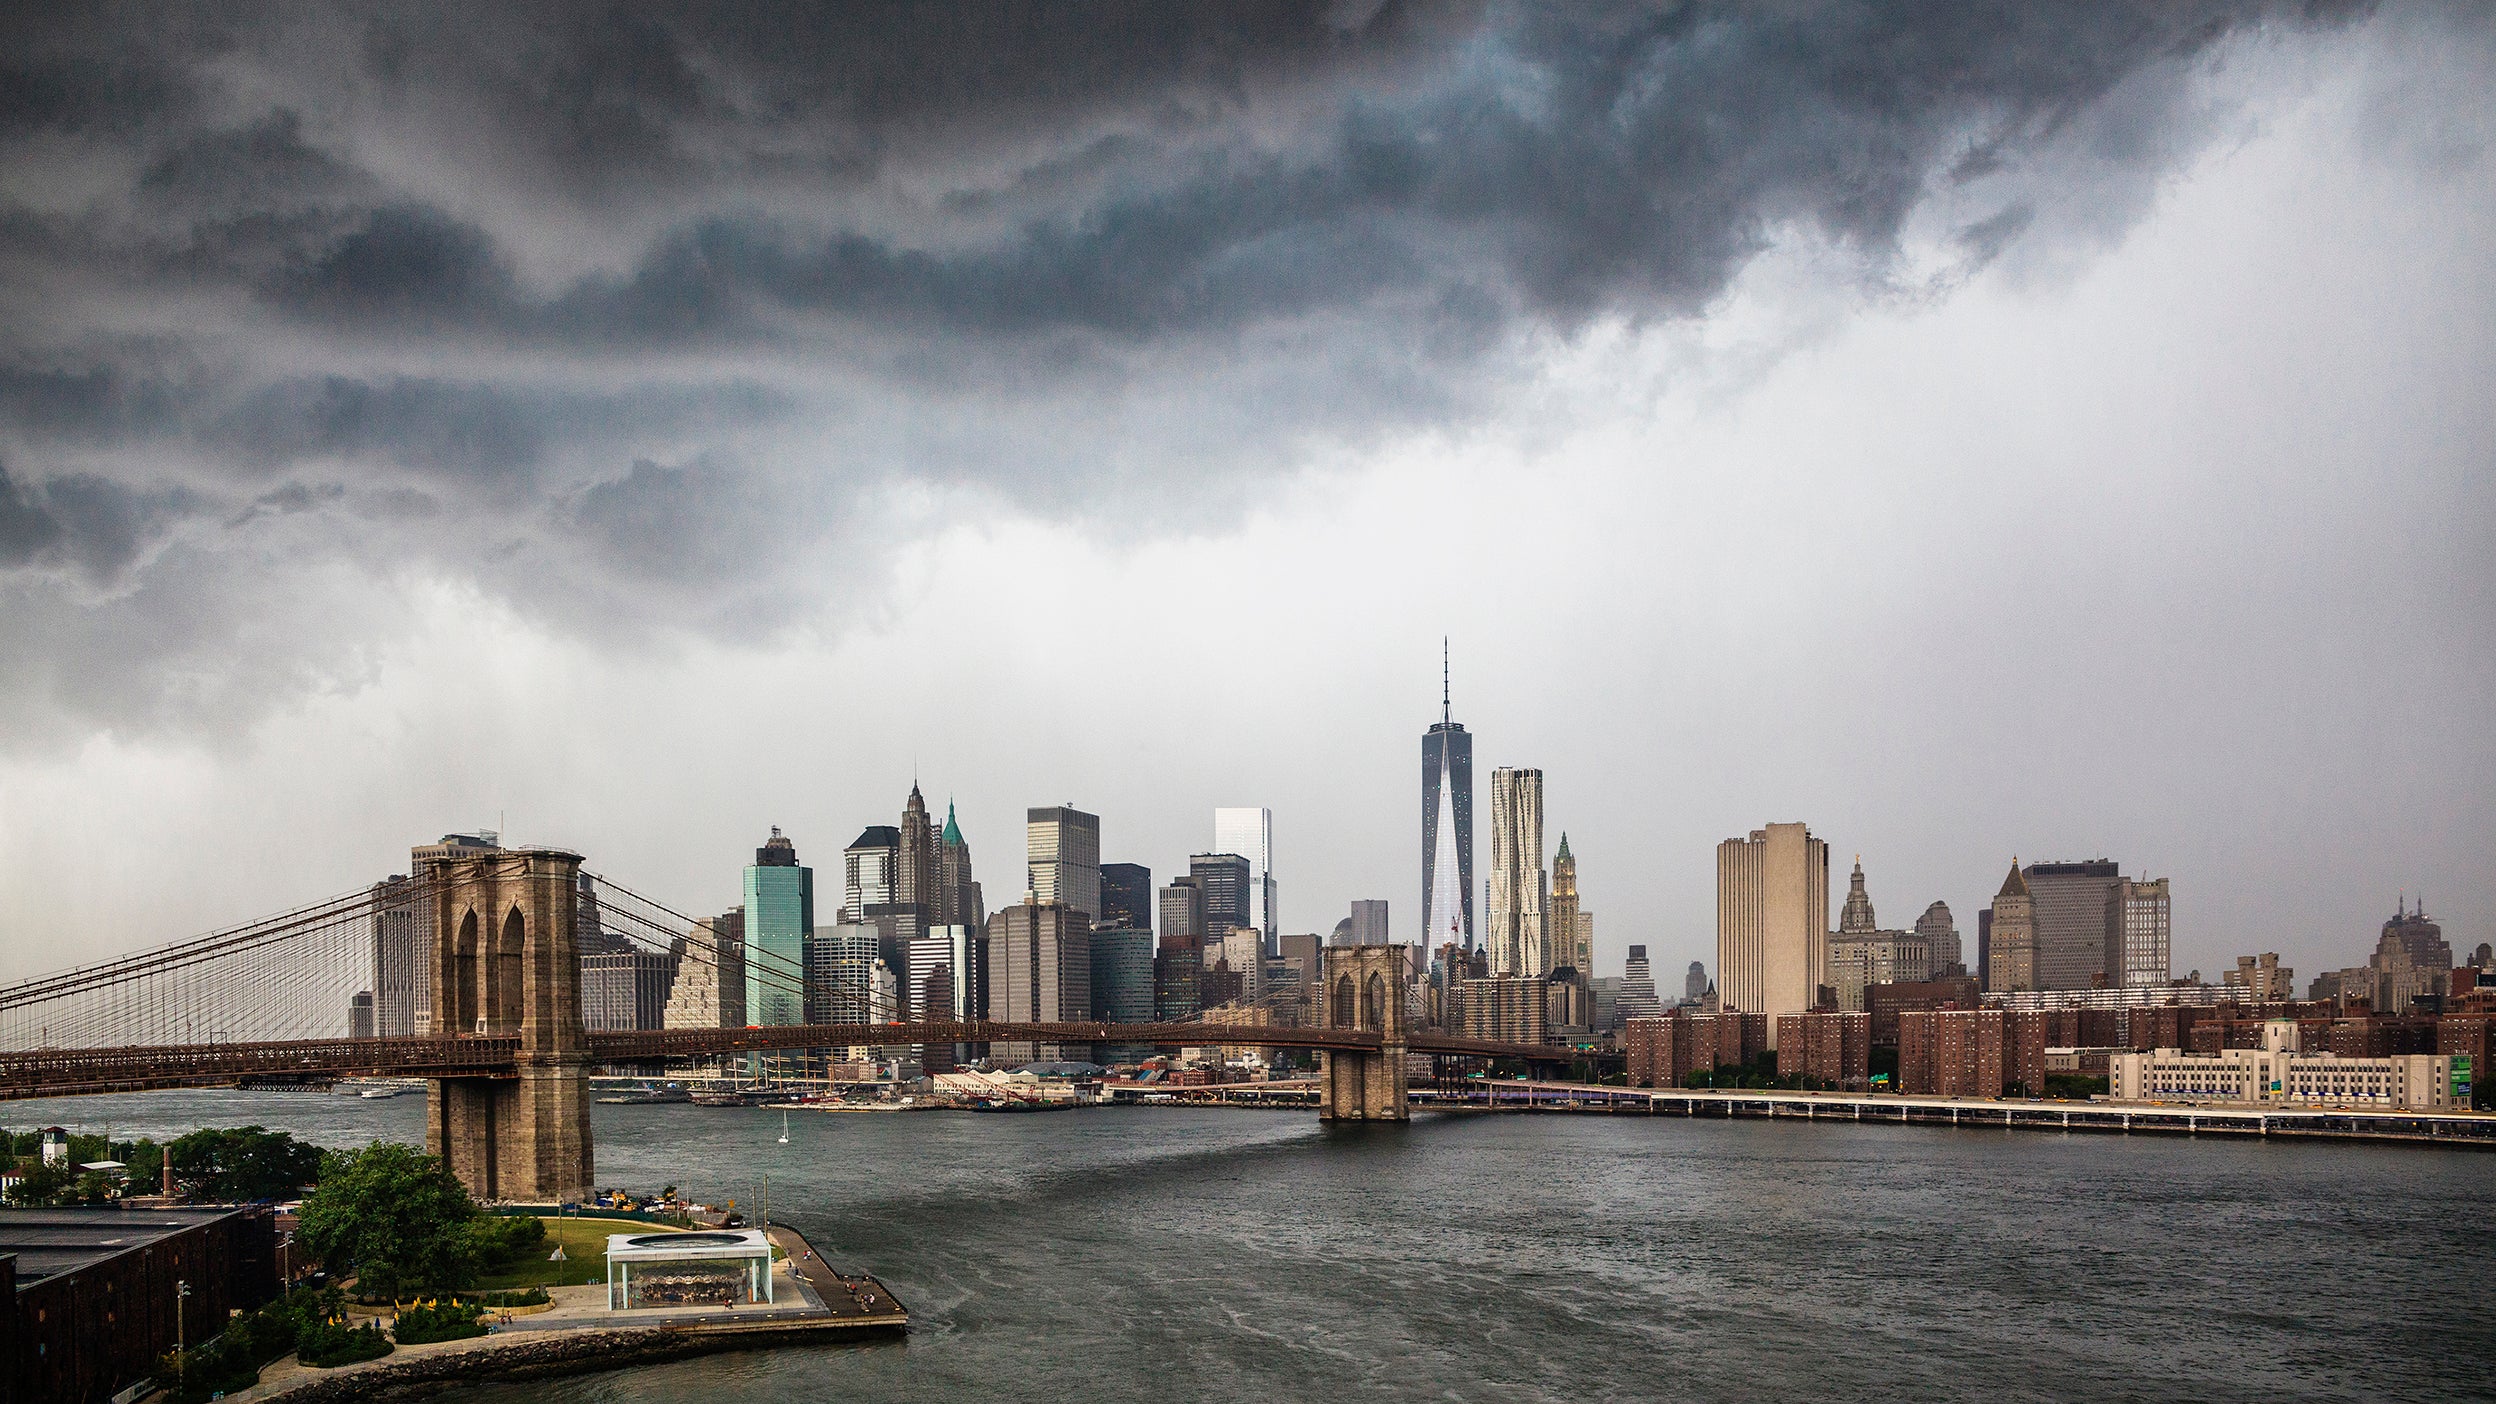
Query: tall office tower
[
  {"x": 1940, "y": 931},
  {"x": 779, "y": 915},
  {"x": 870, "y": 866},
  {"x": 1446, "y": 826},
  {"x": 957, "y": 892},
  {"x": 1857, "y": 918},
  {"x": 1039, "y": 971},
  {"x": 2139, "y": 940},
  {"x": 1222, "y": 878},
  {"x": 1183, "y": 908},
  {"x": 915, "y": 871},
  {"x": 1694, "y": 984},
  {"x": 1178, "y": 966},
  {"x": 1122, "y": 988},
  {"x": 1243, "y": 947},
  {"x": 932, "y": 994},
  {"x": 2411, "y": 959},
  {"x": 1519, "y": 895},
  {"x": 1369, "y": 922},
  {"x": 1126, "y": 897},
  {"x": 360, "y": 1014},
  {"x": 2070, "y": 901},
  {"x": 1638, "y": 999},
  {"x": 1250, "y": 834},
  {"x": 1772, "y": 922},
  {"x": 401, "y": 981},
  {"x": 2007, "y": 940},
  {"x": 625, "y": 988},
  {"x": 1563, "y": 910},
  {"x": 2411, "y": 930},
  {"x": 840, "y": 973},
  {"x": 1984, "y": 948},
  {"x": 709, "y": 992},
  {"x": 1062, "y": 847}
]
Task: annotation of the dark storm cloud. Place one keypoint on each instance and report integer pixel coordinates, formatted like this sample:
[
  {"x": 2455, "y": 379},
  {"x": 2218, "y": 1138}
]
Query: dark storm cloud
[{"x": 499, "y": 264}]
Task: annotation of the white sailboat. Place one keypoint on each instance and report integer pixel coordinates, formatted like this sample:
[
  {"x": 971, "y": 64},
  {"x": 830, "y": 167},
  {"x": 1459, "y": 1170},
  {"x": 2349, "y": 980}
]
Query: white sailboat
[{"x": 784, "y": 1126}]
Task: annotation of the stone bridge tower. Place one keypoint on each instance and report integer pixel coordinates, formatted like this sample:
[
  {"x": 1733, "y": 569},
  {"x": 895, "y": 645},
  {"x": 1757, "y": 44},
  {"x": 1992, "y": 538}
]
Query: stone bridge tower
[
  {"x": 507, "y": 964},
  {"x": 1365, "y": 990}
]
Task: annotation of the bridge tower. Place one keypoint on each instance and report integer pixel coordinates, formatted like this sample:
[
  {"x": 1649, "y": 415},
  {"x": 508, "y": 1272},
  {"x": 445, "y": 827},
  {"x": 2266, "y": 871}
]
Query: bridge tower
[
  {"x": 1365, "y": 990},
  {"x": 507, "y": 964}
]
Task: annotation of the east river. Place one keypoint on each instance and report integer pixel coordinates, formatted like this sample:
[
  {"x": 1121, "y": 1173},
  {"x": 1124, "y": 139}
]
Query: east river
[{"x": 1168, "y": 1256}]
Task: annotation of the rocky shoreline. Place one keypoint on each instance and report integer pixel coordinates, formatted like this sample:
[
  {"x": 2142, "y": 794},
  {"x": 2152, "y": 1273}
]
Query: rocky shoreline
[{"x": 545, "y": 1354}]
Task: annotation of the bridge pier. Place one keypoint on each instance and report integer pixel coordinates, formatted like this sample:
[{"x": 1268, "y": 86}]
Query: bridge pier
[
  {"x": 507, "y": 962},
  {"x": 1365, "y": 990}
]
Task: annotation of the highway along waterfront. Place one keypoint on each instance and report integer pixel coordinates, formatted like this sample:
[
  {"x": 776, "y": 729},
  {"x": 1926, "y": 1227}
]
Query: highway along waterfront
[{"x": 1159, "y": 1254}]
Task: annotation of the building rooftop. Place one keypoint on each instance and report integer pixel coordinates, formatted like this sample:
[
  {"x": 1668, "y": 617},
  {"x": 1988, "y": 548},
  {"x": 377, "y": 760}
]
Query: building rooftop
[{"x": 49, "y": 1242}]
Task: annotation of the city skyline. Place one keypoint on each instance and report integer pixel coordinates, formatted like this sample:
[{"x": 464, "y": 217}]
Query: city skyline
[{"x": 1919, "y": 461}]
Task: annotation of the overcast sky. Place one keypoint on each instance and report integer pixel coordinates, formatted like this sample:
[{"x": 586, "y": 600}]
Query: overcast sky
[{"x": 2037, "y": 431}]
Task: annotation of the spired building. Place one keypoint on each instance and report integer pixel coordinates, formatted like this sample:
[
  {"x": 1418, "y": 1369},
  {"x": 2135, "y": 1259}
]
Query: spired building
[
  {"x": 2411, "y": 959},
  {"x": 2006, "y": 942},
  {"x": 1446, "y": 827},
  {"x": 1772, "y": 922},
  {"x": 779, "y": 918},
  {"x": 1862, "y": 955},
  {"x": 1519, "y": 890},
  {"x": 1062, "y": 847},
  {"x": 957, "y": 892}
]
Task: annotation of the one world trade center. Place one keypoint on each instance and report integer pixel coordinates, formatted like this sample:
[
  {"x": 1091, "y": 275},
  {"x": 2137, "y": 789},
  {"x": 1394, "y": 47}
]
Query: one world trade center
[{"x": 1446, "y": 826}]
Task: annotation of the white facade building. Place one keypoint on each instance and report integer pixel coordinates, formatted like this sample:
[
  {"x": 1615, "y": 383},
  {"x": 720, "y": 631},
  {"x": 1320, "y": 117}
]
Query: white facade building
[
  {"x": 1519, "y": 893},
  {"x": 2276, "y": 1074}
]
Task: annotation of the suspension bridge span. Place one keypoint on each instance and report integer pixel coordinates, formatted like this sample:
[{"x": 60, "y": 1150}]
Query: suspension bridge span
[{"x": 504, "y": 1046}]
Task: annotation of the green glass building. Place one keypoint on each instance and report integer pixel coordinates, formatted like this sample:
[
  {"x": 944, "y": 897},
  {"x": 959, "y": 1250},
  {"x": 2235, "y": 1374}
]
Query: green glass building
[{"x": 779, "y": 916}]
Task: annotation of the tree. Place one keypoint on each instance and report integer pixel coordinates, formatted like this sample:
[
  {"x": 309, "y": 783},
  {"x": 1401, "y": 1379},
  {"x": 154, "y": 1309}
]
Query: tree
[
  {"x": 44, "y": 1184},
  {"x": 238, "y": 1164},
  {"x": 397, "y": 1214}
]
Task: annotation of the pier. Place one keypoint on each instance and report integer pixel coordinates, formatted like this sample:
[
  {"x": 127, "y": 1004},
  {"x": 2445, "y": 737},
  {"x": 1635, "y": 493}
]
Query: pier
[{"x": 2122, "y": 1118}]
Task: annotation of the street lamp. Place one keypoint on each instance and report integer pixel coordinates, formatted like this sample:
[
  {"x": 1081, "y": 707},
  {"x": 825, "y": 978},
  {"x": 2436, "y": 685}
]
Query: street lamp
[{"x": 181, "y": 1364}]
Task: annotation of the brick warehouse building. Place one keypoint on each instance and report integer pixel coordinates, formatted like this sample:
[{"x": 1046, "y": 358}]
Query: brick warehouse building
[{"x": 94, "y": 1292}]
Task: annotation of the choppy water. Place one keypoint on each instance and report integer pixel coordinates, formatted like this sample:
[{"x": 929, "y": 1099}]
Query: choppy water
[{"x": 1165, "y": 1255}]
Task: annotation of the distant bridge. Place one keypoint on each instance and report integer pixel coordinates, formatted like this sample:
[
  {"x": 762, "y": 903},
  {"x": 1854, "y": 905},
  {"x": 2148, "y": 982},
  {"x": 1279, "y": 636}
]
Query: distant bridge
[{"x": 510, "y": 1058}]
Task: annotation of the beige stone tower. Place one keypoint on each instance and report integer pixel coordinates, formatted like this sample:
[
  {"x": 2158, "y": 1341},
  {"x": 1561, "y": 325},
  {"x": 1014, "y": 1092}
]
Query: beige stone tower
[
  {"x": 1365, "y": 990},
  {"x": 2012, "y": 961},
  {"x": 1772, "y": 922},
  {"x": 507, "y": 965}
]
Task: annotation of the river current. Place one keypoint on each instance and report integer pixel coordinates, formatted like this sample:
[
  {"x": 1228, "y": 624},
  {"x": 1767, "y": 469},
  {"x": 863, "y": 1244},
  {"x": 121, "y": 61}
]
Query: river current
[{"x": 1169, "y": 1256}]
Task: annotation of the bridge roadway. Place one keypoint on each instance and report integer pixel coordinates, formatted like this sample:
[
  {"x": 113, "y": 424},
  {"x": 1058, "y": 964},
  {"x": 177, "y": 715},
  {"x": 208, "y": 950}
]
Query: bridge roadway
[{"x": 63, "y": 1072}]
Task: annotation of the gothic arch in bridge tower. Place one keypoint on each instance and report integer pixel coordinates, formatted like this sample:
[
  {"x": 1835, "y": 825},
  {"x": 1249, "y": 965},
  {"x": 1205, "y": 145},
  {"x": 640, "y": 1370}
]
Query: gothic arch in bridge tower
[
  {"x": 507, "y": 969},
  {"x": 1368, "y": 985}
]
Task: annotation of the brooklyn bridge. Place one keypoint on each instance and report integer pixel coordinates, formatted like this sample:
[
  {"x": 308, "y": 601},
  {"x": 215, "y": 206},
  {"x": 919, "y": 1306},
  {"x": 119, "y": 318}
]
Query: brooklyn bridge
[{"x": 508, "y": 1056}]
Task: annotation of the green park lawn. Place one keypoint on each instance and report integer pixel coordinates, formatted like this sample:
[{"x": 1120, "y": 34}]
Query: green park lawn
[{"x": 584, "y": 1249}]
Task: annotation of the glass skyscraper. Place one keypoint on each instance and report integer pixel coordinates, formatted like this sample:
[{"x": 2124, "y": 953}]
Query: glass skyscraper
[
  {"x": 779, "y": 916},
  {"x": 1446, "y": 828}
]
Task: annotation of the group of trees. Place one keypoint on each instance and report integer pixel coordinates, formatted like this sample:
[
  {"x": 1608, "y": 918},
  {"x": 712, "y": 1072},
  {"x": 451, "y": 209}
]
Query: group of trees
[
  {"x": 405, "y": 1223},
  {"x": 229, "y": 1165}
]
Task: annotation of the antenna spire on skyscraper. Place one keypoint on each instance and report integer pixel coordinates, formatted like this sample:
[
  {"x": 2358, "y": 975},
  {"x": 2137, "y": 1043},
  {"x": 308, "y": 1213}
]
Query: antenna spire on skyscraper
[{"x": 1447, "y": 711}]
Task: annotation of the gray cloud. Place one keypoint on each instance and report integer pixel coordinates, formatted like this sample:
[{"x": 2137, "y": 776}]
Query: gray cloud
[{"x": 449, "y": 286}]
